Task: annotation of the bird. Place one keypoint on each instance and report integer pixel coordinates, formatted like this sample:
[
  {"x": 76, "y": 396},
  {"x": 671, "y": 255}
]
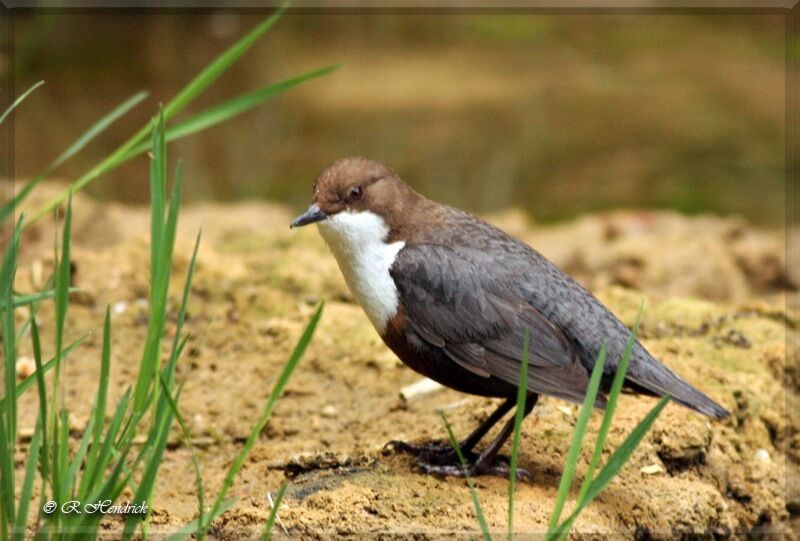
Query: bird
[{"x": 455, "y": 298}]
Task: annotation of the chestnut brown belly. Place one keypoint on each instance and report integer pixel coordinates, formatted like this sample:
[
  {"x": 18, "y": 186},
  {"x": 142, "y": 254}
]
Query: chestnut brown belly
[{"x": 433, "y": 363}]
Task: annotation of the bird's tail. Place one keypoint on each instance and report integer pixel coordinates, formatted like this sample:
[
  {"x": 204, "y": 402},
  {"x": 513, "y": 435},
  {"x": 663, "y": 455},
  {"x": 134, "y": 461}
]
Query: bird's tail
[{"x": 655, "y": 378}]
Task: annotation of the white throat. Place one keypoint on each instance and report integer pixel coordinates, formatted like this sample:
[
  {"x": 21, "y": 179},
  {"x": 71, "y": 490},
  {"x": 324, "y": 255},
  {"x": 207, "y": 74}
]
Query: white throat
[{"x": 358, "y": 241}]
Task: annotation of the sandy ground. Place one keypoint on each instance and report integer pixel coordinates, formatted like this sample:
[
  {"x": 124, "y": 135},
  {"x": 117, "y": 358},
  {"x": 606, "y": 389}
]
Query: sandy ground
[{"x": 717, "y": 293}]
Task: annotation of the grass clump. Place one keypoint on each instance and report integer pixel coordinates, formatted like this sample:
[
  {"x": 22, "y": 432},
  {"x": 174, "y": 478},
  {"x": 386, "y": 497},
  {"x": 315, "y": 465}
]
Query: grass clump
[
  {"x": 107, "y": 459},
  {"x": 123, "y": 445}
]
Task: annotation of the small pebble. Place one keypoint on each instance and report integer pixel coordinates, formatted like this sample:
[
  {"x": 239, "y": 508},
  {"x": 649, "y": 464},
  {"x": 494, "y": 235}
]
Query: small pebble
[
  {"x": 652, "y": 469},
  {"x": 75, "y": 423},
  {"x": 328, "y": 411},
  {"x": 36, "y": 274},
  {"x": 119, "y": 307},
  {"x": 762, "y": 455},
  {"x": 25, "y": 367},
  {"x": 566, "y": 410},
  {"x": 420, "y": 388}
]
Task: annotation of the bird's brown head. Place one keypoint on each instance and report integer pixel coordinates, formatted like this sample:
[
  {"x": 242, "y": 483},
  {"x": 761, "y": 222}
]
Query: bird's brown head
[{"x": 358, "y": 186}]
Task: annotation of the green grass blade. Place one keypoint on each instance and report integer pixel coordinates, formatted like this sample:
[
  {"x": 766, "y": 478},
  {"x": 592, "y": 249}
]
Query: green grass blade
[
  {"x": 195, "y": 462},
  {"x": 98, "y": 128},
  {"x": 104, "y": 456},
  {"x": 157, "y": 444},
  {"x": 158, "y": 196},
  {"x": 28, "y": 382},
  {"x": 99, "y": 410},
  {"x": 7, "y": 486},
  {"x": 19, "y": 100},
  {"x": 110, "y": 489},
  {"x": 30, "y": 476},
  {"x": 522, "y": 394},
  {"x": 273, "y": 514},
  {"x": 60, "y": 437},
  {"x": 38, "y": 375},
  {"x": 129, "y": 428},
  {"x": 80, "y": 454},
  {"x": 151, "y": 455},
  {"x": 220, "y": 65},
  {"x": 25, "y": 300},
  {"x": 169, "y": 234},
  {"x": 63, "y": 275},
  {"x": 578, "y": 434},
  {"x": 33, "y": 307},
  {"x": 8, "y": 425},
  {"x": 160, "y": 261},
  {"x": 9, "y": 266},
  {"x": 8, "y": 273},
  {"x": 241, "y": 104},
  {"x": 129, "y": 481},
  {"x": 193, "y": 89},
  {"x": 163, "y": 241},
  {"x": 473, "y": 493},
  {"x": 614, "y": 464},
  {"x": 158, "y": 182},
  {"x": 187, "y": 289},
  {"x": 8, "y": 207},
  {"x": 25, "y": 327},
  {"x": 60, "y": 460},
  {"x": 193, "y": 527},
  {"x": 611, "y": 406},
  {"x": 166, "y": 378},
  {"x": 288, "y": 369},
  {"x": 171, "y": 225},
  {"x": 624, "y": 452},
  {"x": 231, "y": 108},
  {"x": 168, "y": 373},
  {"x": 112, "y": 486}
]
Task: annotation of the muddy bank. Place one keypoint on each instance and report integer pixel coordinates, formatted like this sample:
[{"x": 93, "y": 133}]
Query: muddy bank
[{"x": 716, "y": 291}]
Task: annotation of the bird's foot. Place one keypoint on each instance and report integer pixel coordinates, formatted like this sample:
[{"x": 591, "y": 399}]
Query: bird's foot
[
  {"x": 434, "y": 453},
  {"x": 440, "y": 459},
  {"x": 496, "y": 469}
]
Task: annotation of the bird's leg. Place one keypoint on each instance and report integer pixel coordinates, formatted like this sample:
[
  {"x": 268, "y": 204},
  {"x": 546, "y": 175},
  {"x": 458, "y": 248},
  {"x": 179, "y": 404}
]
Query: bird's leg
[
  {"x": 472, "y": 440},
  {"x": 485, "y": 463},
  {"x": 442, "y": 452}
]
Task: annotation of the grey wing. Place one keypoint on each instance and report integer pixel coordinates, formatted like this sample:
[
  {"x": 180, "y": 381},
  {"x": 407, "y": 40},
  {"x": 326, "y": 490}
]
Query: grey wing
[{"x": 479, "y": 321}]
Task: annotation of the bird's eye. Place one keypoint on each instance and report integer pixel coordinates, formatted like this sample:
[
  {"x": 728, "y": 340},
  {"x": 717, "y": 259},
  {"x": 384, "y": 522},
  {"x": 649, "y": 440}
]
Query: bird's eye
[{"x": 355, "y": 193}]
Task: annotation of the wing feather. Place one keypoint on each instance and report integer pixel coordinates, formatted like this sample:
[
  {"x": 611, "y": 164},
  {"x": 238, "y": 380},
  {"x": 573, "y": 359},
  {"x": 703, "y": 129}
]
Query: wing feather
[{"x": 479, "y": 320}]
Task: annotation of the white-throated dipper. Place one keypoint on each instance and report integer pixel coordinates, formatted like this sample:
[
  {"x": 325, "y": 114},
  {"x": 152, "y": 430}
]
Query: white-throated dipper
[{"x": 453, "y": 297}]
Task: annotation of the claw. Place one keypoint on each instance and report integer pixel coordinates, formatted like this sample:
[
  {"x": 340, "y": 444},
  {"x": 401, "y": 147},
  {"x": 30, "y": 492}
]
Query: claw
[
  {"x": 394, "y": 445},
  {"x": 524, "y": 475},
  {"x": 440, "y": 459}
]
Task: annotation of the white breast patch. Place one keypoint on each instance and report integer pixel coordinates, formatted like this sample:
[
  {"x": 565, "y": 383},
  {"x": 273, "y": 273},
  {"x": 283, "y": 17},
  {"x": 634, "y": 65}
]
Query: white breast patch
[{"x": 358, "y": 241}]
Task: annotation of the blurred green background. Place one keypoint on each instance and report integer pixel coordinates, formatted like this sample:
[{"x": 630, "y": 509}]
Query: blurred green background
[{"x": 557, "y": 114}]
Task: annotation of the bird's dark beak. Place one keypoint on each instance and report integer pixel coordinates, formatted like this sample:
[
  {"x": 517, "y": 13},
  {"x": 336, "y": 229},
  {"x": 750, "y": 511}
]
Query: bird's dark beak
[{"x": 313, "y": 214}]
